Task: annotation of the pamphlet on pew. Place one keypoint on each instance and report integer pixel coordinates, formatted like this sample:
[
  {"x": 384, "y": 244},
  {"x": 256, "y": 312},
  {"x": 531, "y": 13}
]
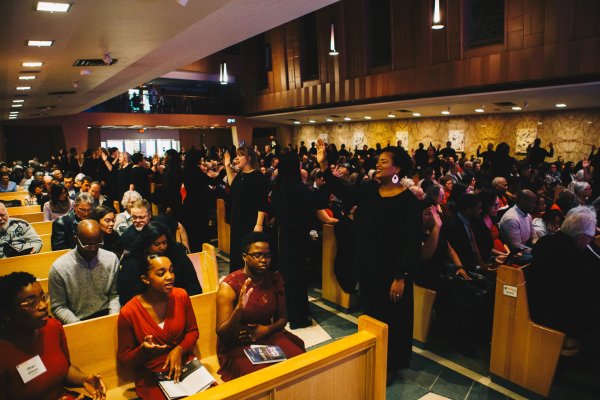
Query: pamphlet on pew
[
  {"x": 194, "y": 378},
  {"x": 260, "y": 354}
]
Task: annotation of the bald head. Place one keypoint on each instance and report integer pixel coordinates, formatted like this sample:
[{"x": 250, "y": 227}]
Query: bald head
[{"x": 526, "y": 200}]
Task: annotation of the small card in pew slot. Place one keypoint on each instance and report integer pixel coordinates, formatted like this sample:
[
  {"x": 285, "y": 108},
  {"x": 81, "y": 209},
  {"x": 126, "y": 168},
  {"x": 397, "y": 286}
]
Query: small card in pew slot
[
  {"x": 194, "y": 378},
  {"x": 264, "y": 354}
]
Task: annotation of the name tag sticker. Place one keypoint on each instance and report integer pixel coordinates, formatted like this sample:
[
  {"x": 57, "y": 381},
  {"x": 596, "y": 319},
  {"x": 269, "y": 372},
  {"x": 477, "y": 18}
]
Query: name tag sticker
[
  {"x": 510, "y": 291},
  {"x": 31, "y": 369}
]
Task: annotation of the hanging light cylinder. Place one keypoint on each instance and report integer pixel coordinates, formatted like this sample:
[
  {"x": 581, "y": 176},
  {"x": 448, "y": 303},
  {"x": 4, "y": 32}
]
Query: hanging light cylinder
[
  {"x": 437, "y": 17},
  {"x": 332, "y": 50}
]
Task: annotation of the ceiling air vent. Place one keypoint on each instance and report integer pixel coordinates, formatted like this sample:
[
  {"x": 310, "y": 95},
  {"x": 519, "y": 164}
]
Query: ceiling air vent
[
  {"x": 404, "y": 111},
  {"x": 93, "y": 62},
  {"x": 34, "y": 115},
  {"x": 62, "y": 93},
  {"x": 505, "y": 104}
]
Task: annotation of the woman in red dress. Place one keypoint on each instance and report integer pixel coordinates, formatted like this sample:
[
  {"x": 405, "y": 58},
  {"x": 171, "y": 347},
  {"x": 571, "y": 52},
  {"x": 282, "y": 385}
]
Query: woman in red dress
[
  {"x": 157, "y": 329},
  {"x": 34, "y": 361},
  {"x": 251, "y": 310}
]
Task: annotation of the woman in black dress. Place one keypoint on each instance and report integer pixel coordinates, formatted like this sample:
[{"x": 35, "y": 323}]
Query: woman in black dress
[
  {"x": 248, "y": 200},
  {"x": 123, "y": 174},
  {"x": 194, "y": 211},
  {"x": 170, "y": 192},
  {"x": 387, "y": 247}
]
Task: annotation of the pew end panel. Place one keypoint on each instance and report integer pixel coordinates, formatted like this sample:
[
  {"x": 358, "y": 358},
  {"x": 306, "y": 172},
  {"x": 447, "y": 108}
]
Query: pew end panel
[
  {"x": 205, "y": 265},
  {"x": 223, "y": 228},
  {"x": 331, "y": 288},
  {"x": 46, "y": 243},
  {"x": 423, "y": 309},
  {"x": 353, "y": 367},
  {"x": 523, "y": 352}
]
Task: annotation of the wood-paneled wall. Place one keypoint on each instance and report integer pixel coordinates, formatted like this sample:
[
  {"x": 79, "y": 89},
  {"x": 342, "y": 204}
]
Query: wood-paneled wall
[{"x": 544, "y": 40}]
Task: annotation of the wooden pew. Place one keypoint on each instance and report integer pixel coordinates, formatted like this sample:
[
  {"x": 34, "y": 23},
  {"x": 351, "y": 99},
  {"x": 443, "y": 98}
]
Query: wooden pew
[
  {"x": 353, "y": 367},
  {"x": 31, "y": 217},
  {"x": 42, "y": 228},
  {"x": 13, "y": 211},
  {"x": 523, "y": 352},
  {"x": 207, "y": 270},
  {"x": 36, "y": 264},
  {"x": 20, "y": 195},
  {"x": 423, "y": 298},
  {"x": 223, "y": 228},
  {"x": 46, "y": 243}
]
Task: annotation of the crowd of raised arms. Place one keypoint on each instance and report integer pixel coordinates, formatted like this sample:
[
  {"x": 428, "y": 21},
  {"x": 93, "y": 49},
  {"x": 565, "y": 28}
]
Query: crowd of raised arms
[{"x": 431, "y": 216}]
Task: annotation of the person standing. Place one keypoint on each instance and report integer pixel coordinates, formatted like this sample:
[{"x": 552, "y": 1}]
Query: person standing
[
  {"x": 387, "y": 225},
  {"x": 248, "y": 200}
]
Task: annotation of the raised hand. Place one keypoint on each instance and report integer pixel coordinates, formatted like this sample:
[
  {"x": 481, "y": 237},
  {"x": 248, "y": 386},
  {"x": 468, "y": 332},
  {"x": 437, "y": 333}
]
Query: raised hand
[
  {"x": 321, "y": 152},
  {"x": 244, "y": 294},
  {"x": 227, "y": 159},
  {"x": 150, "y": 345}
]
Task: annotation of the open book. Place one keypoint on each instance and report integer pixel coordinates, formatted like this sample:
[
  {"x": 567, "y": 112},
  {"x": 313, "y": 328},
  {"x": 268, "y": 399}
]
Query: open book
[
  {"x": 194, "y": 378},
  {"x": 258, "y": 354}
]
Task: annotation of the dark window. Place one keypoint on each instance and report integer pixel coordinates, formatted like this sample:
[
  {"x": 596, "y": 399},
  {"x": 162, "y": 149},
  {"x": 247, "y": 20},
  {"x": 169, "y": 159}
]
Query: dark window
[
  {"x": 379, "y": 31},
  {"x": 309, "y": 50},
  {"x": 485, "y": 22}
]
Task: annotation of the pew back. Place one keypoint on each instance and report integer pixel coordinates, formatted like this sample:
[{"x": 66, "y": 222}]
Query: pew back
[
  {"x": 205, "y": 264},
  {"x": 30, "y": 217},
  {"x": 23, "y": 210},
  {"x": 21, "y": 195},
  {"x": 42, "y": 228},
  {"x": 37, "y": 264},
  {"x": 523, "y": 352},
  {"x": 46, "y": 243}
]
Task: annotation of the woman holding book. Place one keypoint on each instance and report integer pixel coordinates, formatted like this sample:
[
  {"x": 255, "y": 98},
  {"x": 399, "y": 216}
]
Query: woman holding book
[
  {"x": 157, "y": 329},
  {"x": 251, "y": 310}
]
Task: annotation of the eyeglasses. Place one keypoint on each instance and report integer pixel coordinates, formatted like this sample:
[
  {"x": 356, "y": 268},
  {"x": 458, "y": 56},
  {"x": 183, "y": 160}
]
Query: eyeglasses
[
  {"x": 139, "y": 217},
  {"x": 34, "y": 302},
  {"x": 90, "y": 246},
  {"x": 258, "y": 256}
]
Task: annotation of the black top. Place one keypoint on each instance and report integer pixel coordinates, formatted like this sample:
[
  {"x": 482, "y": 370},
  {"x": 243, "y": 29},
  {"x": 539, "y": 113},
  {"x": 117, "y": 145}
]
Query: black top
[
  {"x": 123, "y": 181},
  {"x": 248, "y": 197},
  {"x": 387, "y": 239},
  {"x": 294, "y": 206},
  {"x": 140, "y": 177},
  {"x": 129, "y": 283},
  {"x": 171, "y": 187},
  {"x": 112, "y": 243}
]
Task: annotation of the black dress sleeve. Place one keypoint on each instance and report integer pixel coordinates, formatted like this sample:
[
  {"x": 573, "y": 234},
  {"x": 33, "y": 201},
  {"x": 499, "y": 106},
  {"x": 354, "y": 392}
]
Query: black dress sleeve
[{"x": 409, "y": 250}]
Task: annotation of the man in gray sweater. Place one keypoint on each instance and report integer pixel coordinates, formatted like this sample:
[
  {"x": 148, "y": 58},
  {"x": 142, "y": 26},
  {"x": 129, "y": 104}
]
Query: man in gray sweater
[{"x": 83, "y": 282}]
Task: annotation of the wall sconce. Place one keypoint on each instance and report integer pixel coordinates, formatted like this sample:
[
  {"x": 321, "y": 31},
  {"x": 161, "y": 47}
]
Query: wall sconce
[
  {"x": 223, "y": 76},
  {"x": 332, "y": 50},
  {"x": 437, "y": 17}
]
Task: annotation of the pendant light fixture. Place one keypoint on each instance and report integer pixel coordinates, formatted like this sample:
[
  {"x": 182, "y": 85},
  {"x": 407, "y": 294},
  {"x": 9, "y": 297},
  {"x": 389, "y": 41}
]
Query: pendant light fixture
[
  {"x": 437, "y": 17},
  {"x": 332, "y": 50},
  {"x": 223, "y": 76}
]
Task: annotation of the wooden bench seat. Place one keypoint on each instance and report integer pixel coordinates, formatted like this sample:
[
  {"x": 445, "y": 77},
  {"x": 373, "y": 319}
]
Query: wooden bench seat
[
  {"x": 523, "y": 352},
  {"x": 353, "y": 367},
  {"x": 20, "y": 195},
  {"x": 42, "y": 228},
  {"x": 29, "y": 217}
]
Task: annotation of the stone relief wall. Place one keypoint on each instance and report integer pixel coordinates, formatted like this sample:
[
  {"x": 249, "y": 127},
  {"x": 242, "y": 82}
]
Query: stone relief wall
[{"x": 572, "y": 132}]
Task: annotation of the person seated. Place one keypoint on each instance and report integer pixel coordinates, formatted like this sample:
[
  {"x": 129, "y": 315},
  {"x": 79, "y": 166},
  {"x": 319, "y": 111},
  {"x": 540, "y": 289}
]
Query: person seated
[
  {"x": 63, "y": 228},
  {"x": 486, "y": 230},
  {"x": 83, "y": 282},
  {"x": 123, "y": 220},
  {"x": 155, "y": 238},
  {"x": 105, "y": 215},
  {"x": 460, "y": 233},
  {"x": 157, "y": 328},
  {"x": 549, "y": 223},
  {"x": 96, "y": 192},
  {"x": 59, "y": 204},
  {"x": 6, "y": 185},
  {"x": 17, "y": 237},
  {"x": 560, "y": 286},
  {"x": 251, "y": 310},
  {"x": 516, "y": 225},
  {"x": 29, "y": 337},
  {"x": 35, "y": 194}
]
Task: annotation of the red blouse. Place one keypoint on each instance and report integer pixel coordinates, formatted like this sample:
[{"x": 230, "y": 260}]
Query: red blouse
[
  {"x": 135, "y": 323},
  {"x": 51, "y": 345}
]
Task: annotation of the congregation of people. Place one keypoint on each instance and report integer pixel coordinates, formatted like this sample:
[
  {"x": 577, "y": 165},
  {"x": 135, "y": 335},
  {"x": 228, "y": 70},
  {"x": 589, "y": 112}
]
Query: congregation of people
[{"x": 432, "y": 216}]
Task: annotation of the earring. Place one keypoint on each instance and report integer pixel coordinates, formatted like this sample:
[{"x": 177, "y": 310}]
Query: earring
[{"x": 395, "y": 178}]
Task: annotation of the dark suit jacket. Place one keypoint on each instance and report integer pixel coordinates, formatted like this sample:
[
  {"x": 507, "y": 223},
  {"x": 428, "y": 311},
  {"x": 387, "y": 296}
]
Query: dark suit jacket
[
  {"x": 63, "y": 232},
  {"x": 460, "y": 242}
]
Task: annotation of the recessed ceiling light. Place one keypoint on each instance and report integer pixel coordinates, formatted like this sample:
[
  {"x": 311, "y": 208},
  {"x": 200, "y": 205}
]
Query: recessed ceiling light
[
  {"x": 390, "y": 115},
  {"x": 40, "y": 43},
  {"x": 516, "y": 108},
  {"x": 416, "y": 115},
  {"x": 52, "y": 6},
  {"x": 446, "y": 112},
  {"x": 347, "y": 119},
  {"x": 329, "y": 120},
  {"x": 561, "y": 105},
  {"x": 367, "y": 117},
  {"x": 312, "y": 121},
  {"x": 14, "y": 112},
  {"x": 32, "y": 64},
  {"x": 480, "y": 110},
  {"x": 17, "y": 105},
  {"x": 12, "y": 117},
  {"x": 27, "y": 77},
  {"x": 297, "y": 122},
  {"x": 23, "y": 87},
  {"x": 18, "y": 101}
]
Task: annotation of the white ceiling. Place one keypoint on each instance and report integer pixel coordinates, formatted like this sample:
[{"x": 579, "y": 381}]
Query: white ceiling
[
  {"x": 149, "y": 38},
  {"x": 576, "y": 96}
]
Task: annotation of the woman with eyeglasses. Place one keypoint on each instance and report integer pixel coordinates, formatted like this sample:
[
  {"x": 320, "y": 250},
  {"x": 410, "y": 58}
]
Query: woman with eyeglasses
[
  {"x": 105, "y": 215},
  {"x": 157, "y": 328},
  {"x": 251, "y": 310},
  {"x": 35, "y": 362},
  {"x": 155, "y": 239}
]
